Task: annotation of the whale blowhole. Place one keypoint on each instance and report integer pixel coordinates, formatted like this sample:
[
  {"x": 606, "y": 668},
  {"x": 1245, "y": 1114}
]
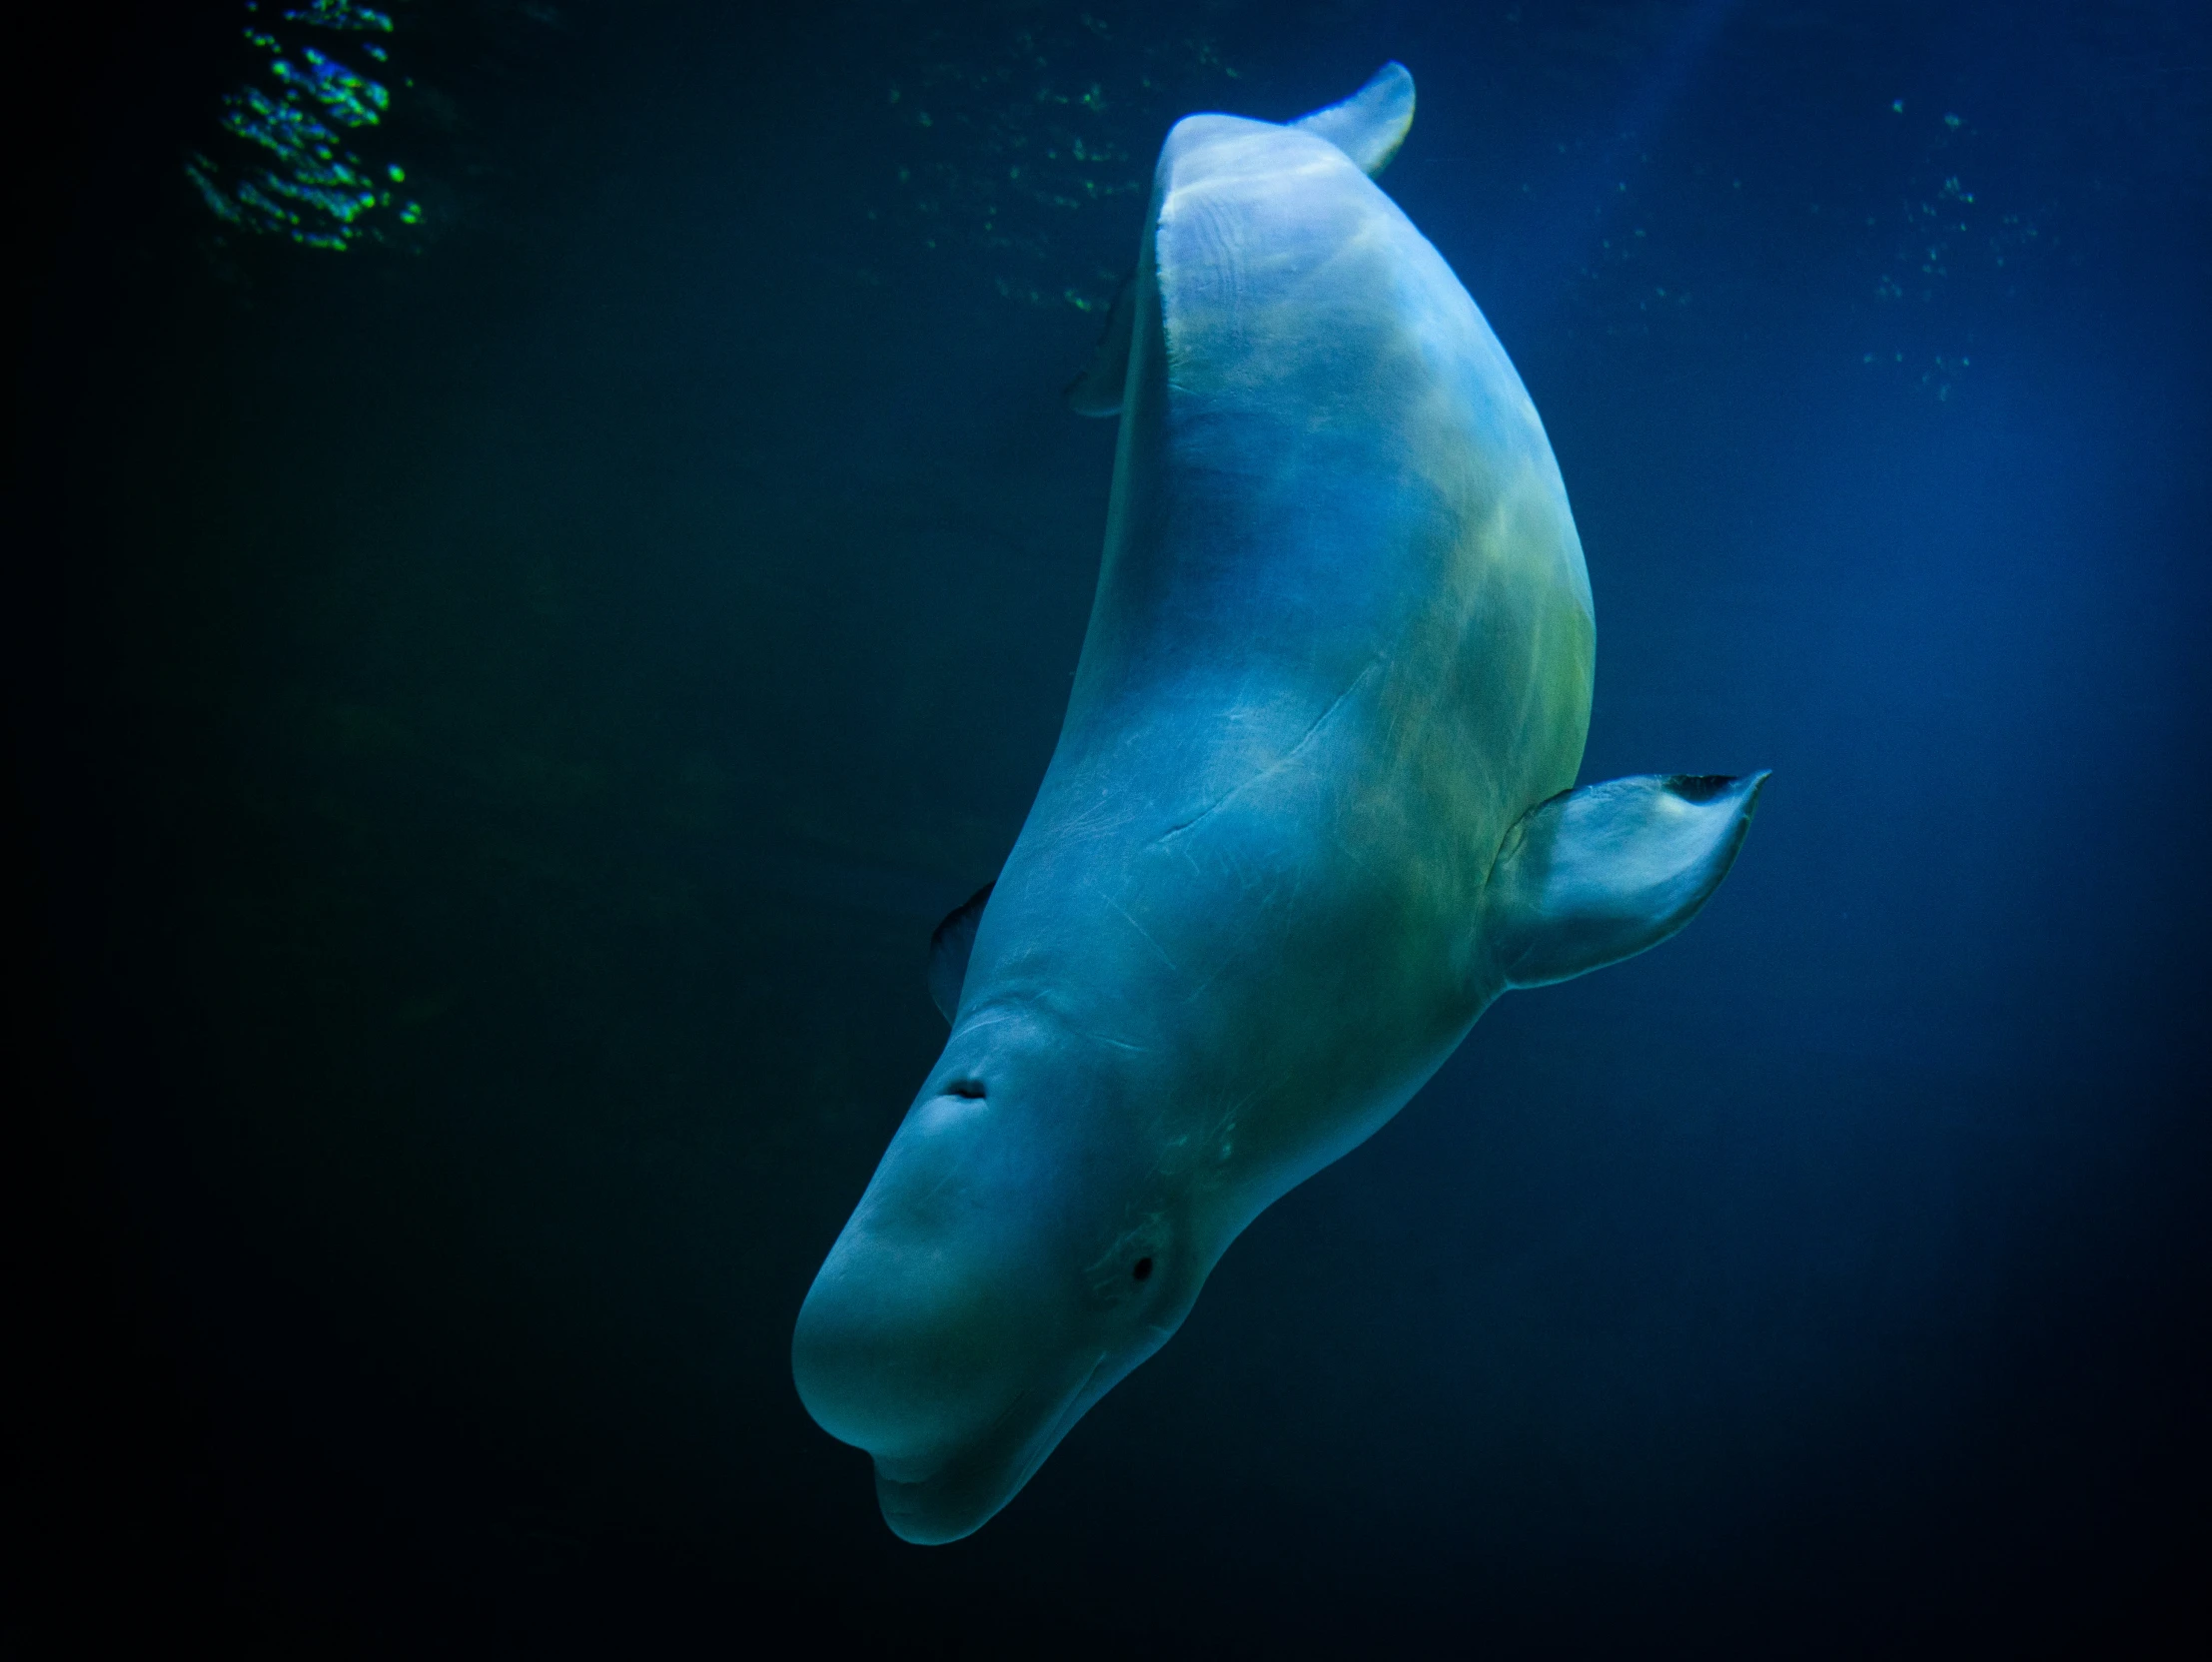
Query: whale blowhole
[
  {"x": 1141, "y": 1270},
  {"x": 972, "y": 1089}
]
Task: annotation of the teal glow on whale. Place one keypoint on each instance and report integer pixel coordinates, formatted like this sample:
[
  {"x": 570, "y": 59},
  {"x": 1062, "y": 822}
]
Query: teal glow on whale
[{"x": 1309, "y": 814}]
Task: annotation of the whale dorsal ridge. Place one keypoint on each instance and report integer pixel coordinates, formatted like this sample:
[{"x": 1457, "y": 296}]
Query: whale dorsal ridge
[
  {"x": 1597, "y": 875},
  {"x": 1371, "y": 124},
  {"x": 949, "y": 947}
]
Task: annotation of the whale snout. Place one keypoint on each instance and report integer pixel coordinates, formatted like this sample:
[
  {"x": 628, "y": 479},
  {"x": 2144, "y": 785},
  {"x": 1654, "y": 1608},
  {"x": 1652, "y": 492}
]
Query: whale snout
[
  {"x": 909, "y": 1356},
  {"x": 956, "y": 1380},
  {"x": 984, "y": 1291}
]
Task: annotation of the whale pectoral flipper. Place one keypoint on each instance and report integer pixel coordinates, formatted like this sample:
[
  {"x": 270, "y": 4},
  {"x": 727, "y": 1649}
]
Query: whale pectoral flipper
[
  {"x": 1097, "y": 390},
  {"x": 949, "y": 945},
  {"x": 1596, "y": 875},
  {"x": 1371, "y": 124}
]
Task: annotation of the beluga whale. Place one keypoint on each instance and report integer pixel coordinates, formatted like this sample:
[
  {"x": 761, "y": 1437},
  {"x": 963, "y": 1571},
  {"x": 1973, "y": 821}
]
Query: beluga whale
[{"x": 1310, "y": 811}]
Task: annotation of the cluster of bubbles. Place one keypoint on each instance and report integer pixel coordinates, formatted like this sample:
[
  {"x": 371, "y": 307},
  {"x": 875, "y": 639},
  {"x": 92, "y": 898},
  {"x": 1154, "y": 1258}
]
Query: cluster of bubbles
[
  {"x": 1923, "y": 248},
  {"x": 299, "y": 175},
  {"x": 1628, "y": 245},
  {"x": 1003, "y": 141},
  {"x": 1942, "y": 228}
]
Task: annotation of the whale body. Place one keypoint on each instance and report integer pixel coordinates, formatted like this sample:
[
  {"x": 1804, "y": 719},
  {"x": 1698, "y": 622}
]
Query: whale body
[{"x": 1309, "y": 814}]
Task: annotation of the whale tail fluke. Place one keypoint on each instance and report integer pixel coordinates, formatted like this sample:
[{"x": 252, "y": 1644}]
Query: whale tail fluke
[
  {"x": 1596, "y": 875},
  {"x": 1098, "y": 390},
  {"x": 1371, "y": 124},
  {"x": 949, "y": 947}
]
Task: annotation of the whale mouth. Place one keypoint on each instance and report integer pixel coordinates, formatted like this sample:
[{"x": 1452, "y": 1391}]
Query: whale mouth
[{"x": 936, "y": 1502}]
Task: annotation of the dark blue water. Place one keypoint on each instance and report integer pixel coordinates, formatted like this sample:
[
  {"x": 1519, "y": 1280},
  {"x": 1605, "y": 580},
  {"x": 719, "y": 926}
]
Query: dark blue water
[{"x": 499, "y": 707}]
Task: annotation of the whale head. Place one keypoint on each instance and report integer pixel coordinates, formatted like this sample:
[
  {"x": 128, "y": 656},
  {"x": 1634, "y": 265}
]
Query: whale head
[{"x": 1015, "y": 1257}]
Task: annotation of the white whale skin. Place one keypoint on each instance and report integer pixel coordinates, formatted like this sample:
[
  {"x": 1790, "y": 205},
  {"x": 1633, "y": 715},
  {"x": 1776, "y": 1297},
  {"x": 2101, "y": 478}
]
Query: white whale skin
[{"x": 1307, "y": 815}]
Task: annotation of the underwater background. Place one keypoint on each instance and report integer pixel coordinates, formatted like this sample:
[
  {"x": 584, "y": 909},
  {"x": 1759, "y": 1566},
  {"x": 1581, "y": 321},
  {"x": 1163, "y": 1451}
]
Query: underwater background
[{"x": 546, "y": 555}]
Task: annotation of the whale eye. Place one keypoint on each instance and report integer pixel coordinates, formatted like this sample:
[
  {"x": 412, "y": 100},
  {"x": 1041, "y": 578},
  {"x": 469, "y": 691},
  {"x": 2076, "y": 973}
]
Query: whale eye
[
  {"x": 972, "y": 1089},
  {"x": 1141, "y": 1269}
]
